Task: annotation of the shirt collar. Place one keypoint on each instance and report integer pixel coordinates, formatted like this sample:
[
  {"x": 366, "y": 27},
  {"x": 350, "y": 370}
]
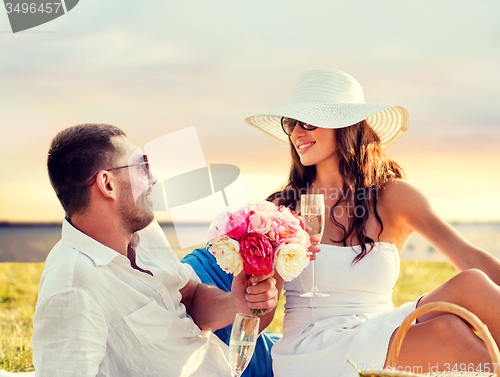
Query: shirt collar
[{"x": 100, "y": 254}]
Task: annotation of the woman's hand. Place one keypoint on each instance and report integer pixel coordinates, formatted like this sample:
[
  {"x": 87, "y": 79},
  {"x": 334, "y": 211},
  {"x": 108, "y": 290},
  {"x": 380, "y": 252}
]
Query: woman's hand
[{"x": 314, "y": 248}]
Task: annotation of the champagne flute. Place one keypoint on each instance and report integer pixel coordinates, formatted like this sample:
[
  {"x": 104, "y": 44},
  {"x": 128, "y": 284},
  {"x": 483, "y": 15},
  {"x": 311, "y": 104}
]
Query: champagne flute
[
  {"x": 242, "y": 342},
  {"x": 312, "y": 212}
]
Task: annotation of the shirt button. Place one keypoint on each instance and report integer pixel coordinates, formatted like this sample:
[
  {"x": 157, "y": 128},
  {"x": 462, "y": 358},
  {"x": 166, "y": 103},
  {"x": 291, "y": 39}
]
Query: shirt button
[{"x": 161, "y": 290}]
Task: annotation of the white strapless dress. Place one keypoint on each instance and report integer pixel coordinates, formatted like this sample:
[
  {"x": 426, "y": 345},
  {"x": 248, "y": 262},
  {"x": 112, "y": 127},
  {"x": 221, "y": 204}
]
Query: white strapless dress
[{"x": 355, "y": 322}]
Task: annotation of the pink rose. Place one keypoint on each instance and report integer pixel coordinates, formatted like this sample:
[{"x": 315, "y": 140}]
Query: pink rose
[
  {"x": 232, "y": 224},
  {"x": 288, "y": 228},
  {"x": 263, "y": 206},
  {"x": 218, "y": 227},
  {"x": 299, "y": 237},
  {"x": 289, "y": 215},
  {"x": 260, "y": 222},
  {"x": 238, "y": 224},
  {"x": 257, "y": 252}
]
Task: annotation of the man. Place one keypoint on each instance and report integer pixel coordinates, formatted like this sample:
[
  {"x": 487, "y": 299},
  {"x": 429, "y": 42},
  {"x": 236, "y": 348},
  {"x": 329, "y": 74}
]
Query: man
[{"x": 114, "y": 300}]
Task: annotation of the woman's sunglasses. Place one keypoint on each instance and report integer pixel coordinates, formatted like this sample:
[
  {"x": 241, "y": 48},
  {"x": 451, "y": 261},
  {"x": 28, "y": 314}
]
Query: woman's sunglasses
[{"x": 288, "y": 124}]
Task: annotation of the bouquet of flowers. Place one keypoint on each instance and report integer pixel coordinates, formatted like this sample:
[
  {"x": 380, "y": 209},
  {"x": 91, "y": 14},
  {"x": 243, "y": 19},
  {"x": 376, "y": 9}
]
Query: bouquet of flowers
[{"x": 257, "y": 238}]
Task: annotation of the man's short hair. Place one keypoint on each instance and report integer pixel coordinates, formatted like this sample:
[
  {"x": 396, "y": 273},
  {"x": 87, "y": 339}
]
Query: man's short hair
[{"x": 75, "y": 155}]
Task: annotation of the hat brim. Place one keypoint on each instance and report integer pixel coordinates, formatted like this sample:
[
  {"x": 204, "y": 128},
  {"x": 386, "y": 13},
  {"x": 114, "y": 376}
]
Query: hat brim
[{"x": 389, "y": 122}]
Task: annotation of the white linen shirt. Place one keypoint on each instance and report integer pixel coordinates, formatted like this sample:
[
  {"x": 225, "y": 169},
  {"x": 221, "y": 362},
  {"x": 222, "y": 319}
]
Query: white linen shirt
[{"x": 97, "y": 316}]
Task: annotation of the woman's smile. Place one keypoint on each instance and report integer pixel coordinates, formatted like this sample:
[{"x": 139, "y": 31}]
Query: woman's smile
[
  {"x": 303, "y": 147},
  {"x": 314, "y": 146}
]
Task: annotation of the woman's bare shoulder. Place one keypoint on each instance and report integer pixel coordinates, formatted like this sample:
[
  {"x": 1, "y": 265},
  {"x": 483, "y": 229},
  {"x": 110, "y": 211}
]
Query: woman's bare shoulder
[
  {"x": 409, "y": 203},
  {"x": 396, "y": 190},
  {"x": 404, "y": 200}
]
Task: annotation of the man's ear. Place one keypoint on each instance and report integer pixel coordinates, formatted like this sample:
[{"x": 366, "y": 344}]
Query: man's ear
[{"x": 106, "y": 184}]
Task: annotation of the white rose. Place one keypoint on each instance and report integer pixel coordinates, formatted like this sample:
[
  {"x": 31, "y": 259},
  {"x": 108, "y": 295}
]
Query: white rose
[
  {"x": 291, "y": 260},
  {"x": 227, "y": 253}
]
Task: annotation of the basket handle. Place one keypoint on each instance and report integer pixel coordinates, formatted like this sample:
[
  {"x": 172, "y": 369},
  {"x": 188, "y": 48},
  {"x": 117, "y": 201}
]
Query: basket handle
[{"x": 480, "y": 327}]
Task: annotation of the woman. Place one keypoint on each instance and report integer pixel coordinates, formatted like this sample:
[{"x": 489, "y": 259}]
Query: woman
[{"x": 337, "y": 144}]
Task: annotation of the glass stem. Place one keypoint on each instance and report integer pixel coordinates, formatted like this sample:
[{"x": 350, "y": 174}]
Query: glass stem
[{"x": 314, "y": 287}]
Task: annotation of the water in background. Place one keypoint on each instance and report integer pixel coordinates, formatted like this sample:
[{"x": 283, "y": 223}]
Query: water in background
[{"x": 32, "y": 243}]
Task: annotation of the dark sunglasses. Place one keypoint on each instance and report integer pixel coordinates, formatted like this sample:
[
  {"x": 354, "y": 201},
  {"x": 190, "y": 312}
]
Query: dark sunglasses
[
  {"x": 288, "y": 124},
  {"x": 144, "y": 169}
]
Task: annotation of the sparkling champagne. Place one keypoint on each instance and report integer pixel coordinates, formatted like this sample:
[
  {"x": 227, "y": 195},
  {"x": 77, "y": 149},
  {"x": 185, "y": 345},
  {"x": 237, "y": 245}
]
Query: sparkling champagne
[
  {"x": 312, "y": 209},
  {"x": 240, "y": 353},
  {"x": 316, "y": 222}
]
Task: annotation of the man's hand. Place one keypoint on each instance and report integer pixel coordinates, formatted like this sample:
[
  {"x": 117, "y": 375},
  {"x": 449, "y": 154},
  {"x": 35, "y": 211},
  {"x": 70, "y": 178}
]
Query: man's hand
[
  {"x": 254, "y": 292},
  {"x": 212, "y": 308}
]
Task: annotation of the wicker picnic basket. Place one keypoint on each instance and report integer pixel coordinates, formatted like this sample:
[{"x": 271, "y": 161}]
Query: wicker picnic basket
[{"x": 471, "y": 318}]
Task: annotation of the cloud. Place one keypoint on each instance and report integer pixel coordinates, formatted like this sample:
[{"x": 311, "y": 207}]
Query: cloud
[{"x": 155, "y": 67}]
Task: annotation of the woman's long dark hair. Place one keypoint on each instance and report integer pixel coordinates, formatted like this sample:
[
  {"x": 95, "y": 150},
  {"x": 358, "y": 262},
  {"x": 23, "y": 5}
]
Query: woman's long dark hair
[{"x": 364, "y": 169}]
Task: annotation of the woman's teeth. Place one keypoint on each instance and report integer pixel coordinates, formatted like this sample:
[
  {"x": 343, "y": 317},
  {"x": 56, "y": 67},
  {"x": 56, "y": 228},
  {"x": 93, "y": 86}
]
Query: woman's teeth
[{"x": 305, "y": 145}]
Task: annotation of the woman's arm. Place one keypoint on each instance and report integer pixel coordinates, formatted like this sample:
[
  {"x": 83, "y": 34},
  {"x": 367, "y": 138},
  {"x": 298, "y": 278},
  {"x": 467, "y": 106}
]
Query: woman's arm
[{"x": 418, "y": 215}]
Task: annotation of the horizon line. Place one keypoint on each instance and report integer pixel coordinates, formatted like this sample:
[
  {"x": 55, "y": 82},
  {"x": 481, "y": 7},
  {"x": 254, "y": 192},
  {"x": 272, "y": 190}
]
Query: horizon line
[{"x": 7, "y": 223}]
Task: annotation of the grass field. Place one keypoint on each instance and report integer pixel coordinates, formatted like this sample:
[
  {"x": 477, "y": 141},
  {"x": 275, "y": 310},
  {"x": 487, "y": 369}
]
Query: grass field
[{"x": 19, "y": 287}]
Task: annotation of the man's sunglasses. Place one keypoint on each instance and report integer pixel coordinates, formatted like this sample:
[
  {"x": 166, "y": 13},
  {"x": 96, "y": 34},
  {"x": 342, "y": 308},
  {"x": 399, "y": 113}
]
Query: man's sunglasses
[
  {"x": 288, "y": 124},
  {"x": 144, "y": 168}
]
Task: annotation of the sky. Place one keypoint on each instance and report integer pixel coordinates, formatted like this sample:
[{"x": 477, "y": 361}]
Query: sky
[{"x": 154, "y": 67}]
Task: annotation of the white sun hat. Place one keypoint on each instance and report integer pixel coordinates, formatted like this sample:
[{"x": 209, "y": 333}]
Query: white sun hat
[{"x": 329, "y": 98}]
